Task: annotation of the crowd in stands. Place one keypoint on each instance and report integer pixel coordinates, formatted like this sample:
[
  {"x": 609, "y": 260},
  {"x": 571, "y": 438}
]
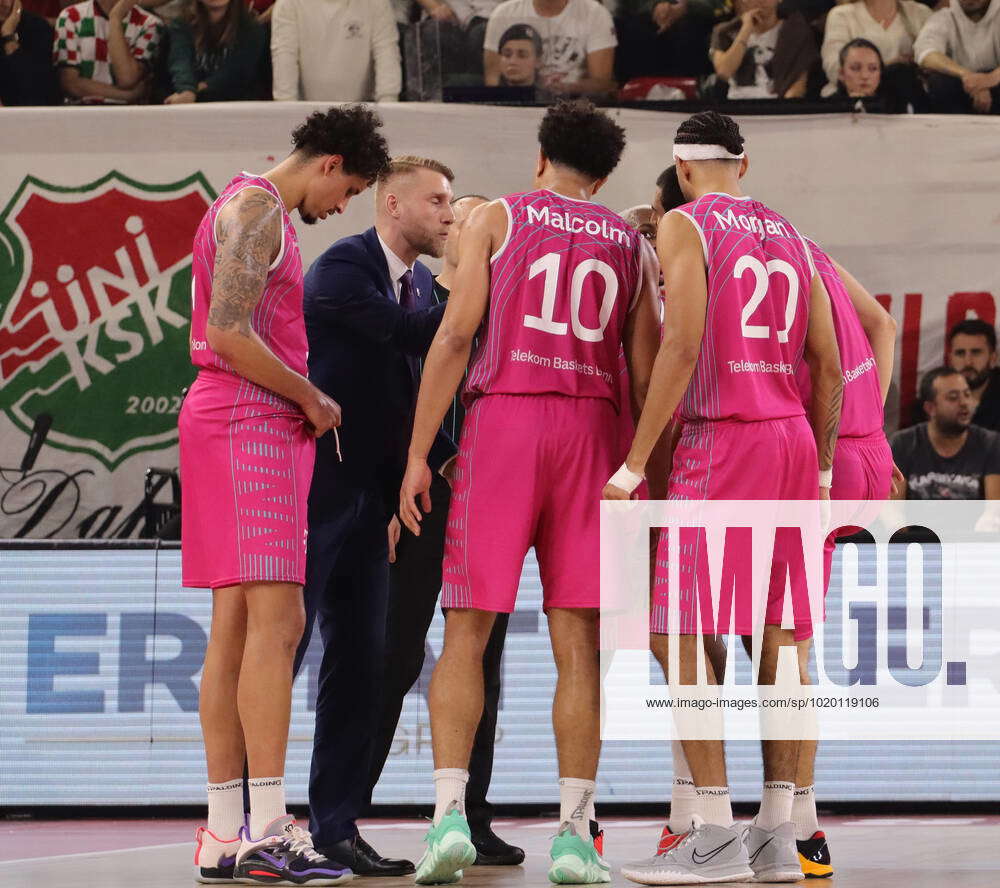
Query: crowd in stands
[{"x": 890, "y": 55}]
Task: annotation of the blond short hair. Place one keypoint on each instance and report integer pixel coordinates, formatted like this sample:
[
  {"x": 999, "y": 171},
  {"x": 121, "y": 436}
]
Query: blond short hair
[{"x": 410, "y": 163}]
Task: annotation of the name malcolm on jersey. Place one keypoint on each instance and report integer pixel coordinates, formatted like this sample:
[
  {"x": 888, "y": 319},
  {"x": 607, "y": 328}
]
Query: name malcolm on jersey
[{"x": 563, "y": 220}]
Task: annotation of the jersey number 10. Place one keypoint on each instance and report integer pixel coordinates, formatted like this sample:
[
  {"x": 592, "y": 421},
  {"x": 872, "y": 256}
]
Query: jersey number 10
[
  {"x": 546, "y": 322},
  {"x": 762, "y": 274}
]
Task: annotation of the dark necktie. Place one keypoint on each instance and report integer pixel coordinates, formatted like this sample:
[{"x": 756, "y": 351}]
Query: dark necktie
[{"x": 407, "y": 292}]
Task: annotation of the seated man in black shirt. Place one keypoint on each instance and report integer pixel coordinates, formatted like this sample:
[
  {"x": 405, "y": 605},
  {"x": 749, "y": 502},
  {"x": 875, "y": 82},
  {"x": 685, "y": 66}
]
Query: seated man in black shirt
[
  {"x": 947, "y": 457},
  {"x": 972, "y": 351}
]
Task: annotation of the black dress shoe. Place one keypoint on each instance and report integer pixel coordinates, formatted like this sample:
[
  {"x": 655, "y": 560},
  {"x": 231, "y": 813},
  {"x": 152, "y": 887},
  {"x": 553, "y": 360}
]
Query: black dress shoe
[
  {"x": 491, "y": 850},
  {"x": 361, "y": 857}
]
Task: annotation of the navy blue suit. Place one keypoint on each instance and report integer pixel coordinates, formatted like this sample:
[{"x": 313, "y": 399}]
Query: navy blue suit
[{"x": 364, "y": 351}]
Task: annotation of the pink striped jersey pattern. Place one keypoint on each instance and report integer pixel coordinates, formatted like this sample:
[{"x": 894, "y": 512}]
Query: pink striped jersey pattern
[
  {"x": 861, "y": 412},
  {"x": 561, "y": 287},
  {"x": 759, "y": 276},
  {"x": 277, "y": 318}
]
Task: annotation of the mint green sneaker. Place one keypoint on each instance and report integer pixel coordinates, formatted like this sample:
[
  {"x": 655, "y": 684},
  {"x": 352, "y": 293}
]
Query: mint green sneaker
[
  {"x": 575, "y": 860},
  {"x": 449, "y": 850}
]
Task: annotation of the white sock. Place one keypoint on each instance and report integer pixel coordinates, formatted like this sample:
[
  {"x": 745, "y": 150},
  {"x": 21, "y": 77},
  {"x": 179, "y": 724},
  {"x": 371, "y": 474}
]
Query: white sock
[
  {"x": 576, "y": 803},
  {"x": 267, "y": 802},
  {"x": 775, "y": 804},
  {"x": 683, "y": 798},
  {"x": 449, "y": 786},
  {"x": 714, "y": 805},
  {"x": 804, "y": 813},
  {"x": 225, "y": 808}
]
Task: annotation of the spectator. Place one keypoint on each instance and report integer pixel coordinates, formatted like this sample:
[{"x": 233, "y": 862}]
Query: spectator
[
  {"x": 762, "y": 56},
  {"x": 891, "y": 25},
  {"x": 948, "y": 457},
  {"x": 105, "y": 51},
  {"x": 463, "y": 13},
  {"x": 860, "y": 73},
  {"x": 578, "y": 43},
  {"x": 643, "y": 219},
  {"x": 972, "y": 351},
  {"x": 662, "y": 39},
  {"x": 520, "y": 56},
  {"x": 26, "y": 73},
  {"x": 335, "y": 52},
  {"x": 216, "y": 54},
  {"x": 959, "y": 47},
  {"x": 462, "y": 26}
]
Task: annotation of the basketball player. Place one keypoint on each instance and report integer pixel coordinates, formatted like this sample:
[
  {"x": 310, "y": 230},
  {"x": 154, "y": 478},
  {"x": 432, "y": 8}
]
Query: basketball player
[
  {"x": 746, "y": 304},
  {"x": 561, "y": 284},
  {"x": 247, "y": 430},
  {"x": 862, "y": 471}
]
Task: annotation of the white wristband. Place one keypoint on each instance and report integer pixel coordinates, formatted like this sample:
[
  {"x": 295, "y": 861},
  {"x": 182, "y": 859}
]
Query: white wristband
[
  {"x": 626, "y": 480},
  {"x": 826, "y": 478}
]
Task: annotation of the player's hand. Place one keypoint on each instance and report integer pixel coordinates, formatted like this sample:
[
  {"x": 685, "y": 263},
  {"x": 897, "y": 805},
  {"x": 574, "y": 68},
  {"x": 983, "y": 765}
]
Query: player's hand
[
  {"x": 825, "y": 515},
  {"x": 322, "y": 413},
  {"x": 897, "y": 480},
  {"x": 611, "y": 492},
  {"x": 416, "y": 483},
  {"x": 394, "y": 530},
  {"x": 12, "y": 21}
]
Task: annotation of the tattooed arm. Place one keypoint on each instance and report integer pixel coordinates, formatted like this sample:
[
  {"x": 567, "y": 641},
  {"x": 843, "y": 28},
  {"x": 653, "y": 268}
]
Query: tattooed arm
[
  {"x": 248, "y": 236},
  {"x": 823, "y": 356}
]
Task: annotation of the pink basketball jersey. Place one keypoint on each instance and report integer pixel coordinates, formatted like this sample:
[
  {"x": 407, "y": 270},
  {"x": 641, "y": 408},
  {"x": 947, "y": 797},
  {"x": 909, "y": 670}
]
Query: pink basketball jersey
[
  {"x": 277, "y": 318},
  {"x": 561, "y": 287},
  {"x": 861, "y": 412},
  {"x": 759, "y": 279}
]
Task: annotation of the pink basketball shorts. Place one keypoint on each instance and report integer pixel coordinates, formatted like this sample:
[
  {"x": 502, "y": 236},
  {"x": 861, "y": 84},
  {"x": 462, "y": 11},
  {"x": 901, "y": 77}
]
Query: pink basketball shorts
[
  {"x": 733, "y": 460},
  {"x": 862, "y": 471},
  {"x": 246, "y": 461},
  {"x": 530, "y": 472}
]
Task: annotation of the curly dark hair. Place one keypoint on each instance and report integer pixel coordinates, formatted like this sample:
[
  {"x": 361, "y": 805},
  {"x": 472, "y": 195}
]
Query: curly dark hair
[
  {"x": 352, "y": 131},
  {"x": 711, "y": 128},
  {"x": 577, "y": 135},
  {"x": 671, "y": 195}
]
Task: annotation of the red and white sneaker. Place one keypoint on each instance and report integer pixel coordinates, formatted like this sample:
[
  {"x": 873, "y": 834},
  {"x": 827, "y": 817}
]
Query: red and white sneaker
[
  {"x": 668, "y": 840},
  {"x": 214, "y": 858}
]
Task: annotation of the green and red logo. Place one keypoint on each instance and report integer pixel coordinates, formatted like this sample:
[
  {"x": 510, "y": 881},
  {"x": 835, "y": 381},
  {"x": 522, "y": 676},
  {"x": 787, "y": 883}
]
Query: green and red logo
[{"x": 95, "y": 303}]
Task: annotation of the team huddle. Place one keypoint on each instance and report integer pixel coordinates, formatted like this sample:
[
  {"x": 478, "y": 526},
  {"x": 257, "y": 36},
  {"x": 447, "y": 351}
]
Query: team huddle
[{"x": 555, "y": 302}]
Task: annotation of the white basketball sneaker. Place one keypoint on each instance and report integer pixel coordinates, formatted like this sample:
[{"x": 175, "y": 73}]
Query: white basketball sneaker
[
  {"x": 708, "y": 853},
  {"x": 772, "y": 853}
]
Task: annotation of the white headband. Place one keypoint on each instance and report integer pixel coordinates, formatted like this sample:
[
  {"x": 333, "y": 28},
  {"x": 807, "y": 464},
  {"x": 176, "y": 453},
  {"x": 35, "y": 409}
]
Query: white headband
[{"x": 705, "y": 152}]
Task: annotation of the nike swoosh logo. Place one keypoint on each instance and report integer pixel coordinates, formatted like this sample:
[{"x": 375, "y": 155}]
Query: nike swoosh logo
[
  {"x": 753, "y": 856},
  {"x": 704, "y": 858}
]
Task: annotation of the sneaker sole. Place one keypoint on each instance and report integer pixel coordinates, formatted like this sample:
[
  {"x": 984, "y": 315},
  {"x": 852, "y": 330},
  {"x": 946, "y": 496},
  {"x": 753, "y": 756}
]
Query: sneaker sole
[
  {"x": 448, "y": 867},
  {"x": 213, "y": 880},
  {"x": 333, "y": 880},
  {"x": 813, "y": 870},
  {"x": 685, "y": 878},
  {"x": 571, "y": 870},
  {"x": 779, "y": 876}
]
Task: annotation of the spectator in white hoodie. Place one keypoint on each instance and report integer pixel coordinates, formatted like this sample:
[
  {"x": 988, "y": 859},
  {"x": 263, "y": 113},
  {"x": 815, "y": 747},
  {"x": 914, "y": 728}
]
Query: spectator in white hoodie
[
  {"x": 959, "y": 48},
  {"x": 335, "y": 51}
]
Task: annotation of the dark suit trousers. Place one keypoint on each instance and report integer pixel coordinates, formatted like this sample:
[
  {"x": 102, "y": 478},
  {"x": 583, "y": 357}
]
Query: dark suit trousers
[
  {"x": 414, "y": 585},
  {"x": 346, "y": 593}
]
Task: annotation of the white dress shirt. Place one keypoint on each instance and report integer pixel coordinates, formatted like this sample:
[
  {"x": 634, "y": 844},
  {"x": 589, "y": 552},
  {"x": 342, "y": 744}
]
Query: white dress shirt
[{"x": 397, "y": 267}]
